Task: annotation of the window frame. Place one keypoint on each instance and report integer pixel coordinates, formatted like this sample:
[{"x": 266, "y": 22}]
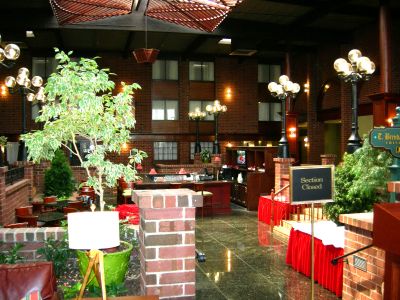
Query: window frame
[
  {"x": 165, "y": 70},
  {"x": 203, "y": 104},
  {"x": 165, "y": 109},
  {"x": 202, "y": 66},
  {"x": 271, "y": 111},
  {"x": 155, "y": 153}
]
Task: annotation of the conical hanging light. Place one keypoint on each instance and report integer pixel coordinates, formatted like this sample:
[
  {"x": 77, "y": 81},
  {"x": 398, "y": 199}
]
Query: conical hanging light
[{"x": 145, "y": 55}]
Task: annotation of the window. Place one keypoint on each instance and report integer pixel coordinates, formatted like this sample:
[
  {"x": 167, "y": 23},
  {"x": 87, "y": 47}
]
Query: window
[
  {"x": 201, "y": 104},
  {"x": 269, "y": 111},
  {"x": 165, "y": 151},
  {"x": 43, "y": 67},
  {"x": 165, "y": 70},
  {"x": 204, "y": 146},
  {"x": 268, "y": 73},
  {"x": 164, "y": 110},
  {"x": 201, "y": 71}
]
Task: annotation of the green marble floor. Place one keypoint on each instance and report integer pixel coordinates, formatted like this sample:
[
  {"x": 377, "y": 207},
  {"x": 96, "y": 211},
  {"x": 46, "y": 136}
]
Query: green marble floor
[{"x": 240, "y": 265}]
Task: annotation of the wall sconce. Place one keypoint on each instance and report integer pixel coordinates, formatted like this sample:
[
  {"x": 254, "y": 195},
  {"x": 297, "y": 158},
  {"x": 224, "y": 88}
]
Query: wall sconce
[
  {"x": 390, "y": 122},
  {"x": 124, "y": 147},
  {"x": 292, "y": 132},
  {"x": 326, "y": 87},
  {"x": 3, "y": 90},
  {"x": 229, "y": 144},
  {"x": 228, "y": 93},
  {"x": 306, "y": 142},
  {"x": 306, "y": 87}
]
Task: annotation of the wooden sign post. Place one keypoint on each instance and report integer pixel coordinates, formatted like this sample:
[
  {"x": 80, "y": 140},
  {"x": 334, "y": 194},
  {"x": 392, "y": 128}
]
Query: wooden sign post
[{"x": 311, "y": 184}]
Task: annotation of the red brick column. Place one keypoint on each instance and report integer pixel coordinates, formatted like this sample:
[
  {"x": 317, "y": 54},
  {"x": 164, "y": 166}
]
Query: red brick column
[
  {"x": 359, "y": 284},
  {"x": 167, "y": 242},
  {"x": 328, "y": 159},
  {"x": 3, "y": 194},
  {"x": 28, "y": 174},
  {"x": 282, "y": 174}
]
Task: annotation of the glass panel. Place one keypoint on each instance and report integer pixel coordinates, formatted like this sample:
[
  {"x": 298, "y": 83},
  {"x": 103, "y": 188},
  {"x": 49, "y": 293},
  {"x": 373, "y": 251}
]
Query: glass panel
[
  {"x": 263, "y": 111},
  {"x": 275, "y": 111},
  {"x": 194, "y": 104},
  {"x": 35, "y": 110},
  {"x": 172, "y": 69},
  {"x": 172, "y": 110},
  {"x": 157, "y": 111},
  {"x": 195, "y": 69},
  {"x": 263, "y": 73},
  {"x": 165, "y": 151},
  {"x": 275, "y": 72},
  {"x": 208, "y": 71},
  {"x": 158, "y": 69},
  {"x": 39, "y": 66}
]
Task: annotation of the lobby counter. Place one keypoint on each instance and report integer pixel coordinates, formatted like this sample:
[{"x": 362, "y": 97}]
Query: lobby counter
[{"x": 220, "y": 189}]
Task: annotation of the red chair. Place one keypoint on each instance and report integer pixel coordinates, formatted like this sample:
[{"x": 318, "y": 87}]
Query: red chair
[
  {"x": 76, "y": 204},
  {"x": 16, "y": 225},
  {"x": 207, "y": 198},
  {"x": 23, "y": 211},
  {"x": 49, "y": 199},
  {"x": 31, "y": 220},
  {"x": 67, "y": 210}
]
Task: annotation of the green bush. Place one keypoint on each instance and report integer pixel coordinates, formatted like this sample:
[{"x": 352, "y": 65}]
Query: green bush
[
  {"x": 11, "y": 256},
  {"x": 58, "y": 179},
  {"x": 360, "y": 181}
]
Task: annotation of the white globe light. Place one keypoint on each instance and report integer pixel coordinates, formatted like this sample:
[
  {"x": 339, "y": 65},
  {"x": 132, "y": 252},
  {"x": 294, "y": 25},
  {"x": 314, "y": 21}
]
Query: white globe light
[
  {"x": 288, "y": 86},
  {"x": 30, "y": 97},
  {"x": 21, "y": 79},
  {"x": 23, "y": 71},
  {"x": 372, "y": 68},
  {"x": 2, "y": 55},
  {"x": 12, "y": 51},
  {"x": 10, "y": 81},
  {"x": 37, "y": 81},
  {"x": 338, "y": 64},
  {"x": 209, "y": 108},
  {"x": 283, "y": 79},
  {"x": 354, "y": 55},
  {"x": 296, "y": 88},
  {"x": 224, "y": 108},
  {"x": 272, "y": 86},
  {"x": 27, "y": 83},
  {"x": 40, "y": 94},
  {"x": 363, "y": 64},
  {"x": 279, "y": 90}
]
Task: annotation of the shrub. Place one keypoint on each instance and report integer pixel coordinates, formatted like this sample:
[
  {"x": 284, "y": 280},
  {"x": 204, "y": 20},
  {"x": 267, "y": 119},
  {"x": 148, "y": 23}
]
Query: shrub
[
  {"x": 58, "y": 179},
  {"x": 360, "y": 181}
]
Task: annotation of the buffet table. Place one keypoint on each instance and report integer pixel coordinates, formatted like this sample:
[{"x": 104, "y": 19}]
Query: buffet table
[
  {"x": 267, "y": 208},
  {"x": 328, "y": 244}
]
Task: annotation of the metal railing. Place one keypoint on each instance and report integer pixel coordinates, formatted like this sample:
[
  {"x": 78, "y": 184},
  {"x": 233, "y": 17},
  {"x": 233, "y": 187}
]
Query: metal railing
[{"x": 14, "y": 175}]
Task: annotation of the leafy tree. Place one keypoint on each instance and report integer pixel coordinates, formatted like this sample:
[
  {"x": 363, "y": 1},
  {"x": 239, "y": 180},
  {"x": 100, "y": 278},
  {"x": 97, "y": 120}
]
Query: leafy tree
[
  {"x": 80, "y": 105},
  {"x": 360, "y": 181},
  {"x": 58, "y": 179}
]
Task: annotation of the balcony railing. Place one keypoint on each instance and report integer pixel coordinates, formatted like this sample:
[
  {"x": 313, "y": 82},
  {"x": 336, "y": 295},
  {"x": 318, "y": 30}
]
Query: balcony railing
[{"x": 14, "y": 175}]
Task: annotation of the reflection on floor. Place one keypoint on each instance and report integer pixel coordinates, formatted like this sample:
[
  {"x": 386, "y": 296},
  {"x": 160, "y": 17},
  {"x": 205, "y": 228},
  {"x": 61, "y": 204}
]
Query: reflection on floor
[{"x": 244, "y": 261}]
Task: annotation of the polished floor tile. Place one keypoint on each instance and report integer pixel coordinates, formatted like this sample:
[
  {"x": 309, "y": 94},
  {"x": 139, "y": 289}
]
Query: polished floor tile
[{"x": 245, "y": 261}]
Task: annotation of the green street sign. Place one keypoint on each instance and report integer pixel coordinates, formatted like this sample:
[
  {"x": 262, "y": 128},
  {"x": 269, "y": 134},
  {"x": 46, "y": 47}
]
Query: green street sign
[{"x": 387, "y": 138}]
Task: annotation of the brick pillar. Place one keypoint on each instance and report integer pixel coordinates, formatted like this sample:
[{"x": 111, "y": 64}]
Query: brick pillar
[
  {"x": 328, "y": 159},
  {"x": 28, "y": 174},
  {"x": 167, "y": 242},
  {"x": 3, "y": 171},
  {"x": 197, "y": 159},
  {"x": 357, "y": 283},
  {"x": 282, "y": 173}
]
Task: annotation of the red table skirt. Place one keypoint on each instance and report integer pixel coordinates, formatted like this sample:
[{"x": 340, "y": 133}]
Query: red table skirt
[
  {"x": 281, "y": 210},
  {"x": 298, "y": 256}
]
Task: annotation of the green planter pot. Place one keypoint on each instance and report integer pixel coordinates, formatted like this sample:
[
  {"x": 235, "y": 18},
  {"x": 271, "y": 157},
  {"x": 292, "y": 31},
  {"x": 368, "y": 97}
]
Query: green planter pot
[{"x": 115, "y": 265}]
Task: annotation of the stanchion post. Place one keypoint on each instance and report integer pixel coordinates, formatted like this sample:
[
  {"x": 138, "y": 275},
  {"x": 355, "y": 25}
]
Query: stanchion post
[{"x": 312, "y": 250}]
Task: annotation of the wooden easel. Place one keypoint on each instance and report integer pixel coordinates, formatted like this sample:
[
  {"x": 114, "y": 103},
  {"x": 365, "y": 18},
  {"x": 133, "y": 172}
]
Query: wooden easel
[{"x": 96, "y": 262}]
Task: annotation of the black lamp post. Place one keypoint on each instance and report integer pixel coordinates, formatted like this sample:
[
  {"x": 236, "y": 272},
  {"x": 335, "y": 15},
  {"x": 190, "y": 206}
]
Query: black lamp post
[
  {"x": 22, "y": 84},
  {"x": 284, "y": 89},
  {"x": 216, "y": 109},
  {"x": 197, "y": 116},
  {"x": 359, "y": 68}
]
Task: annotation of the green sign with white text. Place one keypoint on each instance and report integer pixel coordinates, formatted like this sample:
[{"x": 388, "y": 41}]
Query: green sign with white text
[{"x": 387, "y": 138}]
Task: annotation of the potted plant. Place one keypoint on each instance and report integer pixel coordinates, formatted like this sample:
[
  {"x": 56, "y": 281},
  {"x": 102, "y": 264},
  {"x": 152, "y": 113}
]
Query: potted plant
[
  {"x": 79, "y": 105},
  {"x": 205, "y": 156}
]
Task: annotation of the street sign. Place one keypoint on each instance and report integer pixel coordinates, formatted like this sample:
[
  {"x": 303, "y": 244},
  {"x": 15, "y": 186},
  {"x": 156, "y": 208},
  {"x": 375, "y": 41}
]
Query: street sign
[
  {"x": 311, "y": 184},
  {"x": 387, "y": 138}
]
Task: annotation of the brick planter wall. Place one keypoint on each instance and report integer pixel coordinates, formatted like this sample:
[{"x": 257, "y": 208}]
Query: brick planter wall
[
  {"x": 328, "y": 159},
  {"x": 282, "y": 174},
  {"x": 167, "y": 242},
  {"x": 359, "y": 284},
  {"x": 31, "y": 238}
]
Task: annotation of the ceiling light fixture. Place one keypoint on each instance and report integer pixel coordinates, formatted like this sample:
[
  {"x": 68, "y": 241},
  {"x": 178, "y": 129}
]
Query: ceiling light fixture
[
  {"x": 30, "y": 34},
  {"x": 225, "y": 41}
]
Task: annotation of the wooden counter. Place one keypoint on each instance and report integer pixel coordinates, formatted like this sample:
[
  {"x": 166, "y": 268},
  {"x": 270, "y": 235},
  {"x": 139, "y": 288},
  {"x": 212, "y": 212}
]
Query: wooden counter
[{"x": 221, "y": 192}]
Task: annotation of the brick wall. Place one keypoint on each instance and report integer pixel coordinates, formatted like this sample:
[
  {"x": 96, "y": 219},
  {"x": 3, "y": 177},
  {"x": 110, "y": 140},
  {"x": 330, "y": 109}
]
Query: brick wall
[
  {"x": 31, "y": 238},
  {"x": 167, "y": 242},
  {"x": 282, "y": 166},
  {"x": 359, "y": 284},
  {"x": 12, "y": 196}
]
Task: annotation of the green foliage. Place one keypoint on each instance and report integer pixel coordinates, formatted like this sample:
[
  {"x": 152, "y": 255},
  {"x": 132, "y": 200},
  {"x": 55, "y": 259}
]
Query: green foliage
[
  {"x": 112, "y": 290},
  {"x": 3, "y": 140},
  {"x": 11, "y": 256},
  {"x": 360, "y": 181},
  {"x": 58, "y": 252},
  {"x": 80, "y": 105},
  {"x": 58, "y": 179},
  {"x": 205, "y": 156}
]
